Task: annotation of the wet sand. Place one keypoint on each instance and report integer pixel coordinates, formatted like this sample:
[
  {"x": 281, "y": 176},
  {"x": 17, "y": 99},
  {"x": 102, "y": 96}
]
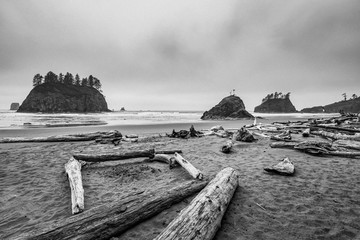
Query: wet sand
[{"x": 321, "y": 201}]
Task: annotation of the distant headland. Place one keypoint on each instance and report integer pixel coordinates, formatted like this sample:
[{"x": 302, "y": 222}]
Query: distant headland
[
  {"x": 64, "y": 93},
  {"x": 351, "y": 105}
]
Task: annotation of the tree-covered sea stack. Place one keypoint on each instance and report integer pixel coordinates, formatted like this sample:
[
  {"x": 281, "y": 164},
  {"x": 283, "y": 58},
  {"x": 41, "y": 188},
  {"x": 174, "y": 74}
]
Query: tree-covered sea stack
[{"x": 64, "y": 93}]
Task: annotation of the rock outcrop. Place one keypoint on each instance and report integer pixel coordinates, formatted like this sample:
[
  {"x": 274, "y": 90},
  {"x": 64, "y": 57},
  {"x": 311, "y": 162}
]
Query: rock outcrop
[
  {"x": 349, "y": 106},
  {"x": 276, "y": 105},
  {"x": 59, "y": 97},
  {"x": 14, "y": 106},
  {"x": 231, "y": 107}
]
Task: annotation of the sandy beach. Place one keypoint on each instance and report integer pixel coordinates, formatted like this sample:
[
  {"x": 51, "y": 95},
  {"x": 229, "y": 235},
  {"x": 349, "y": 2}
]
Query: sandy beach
[{"x": 319, "y": 202}]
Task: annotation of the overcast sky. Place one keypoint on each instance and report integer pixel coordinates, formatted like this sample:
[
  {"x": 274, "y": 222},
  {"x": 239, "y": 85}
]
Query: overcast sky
[{"x": 184, "y": 55}]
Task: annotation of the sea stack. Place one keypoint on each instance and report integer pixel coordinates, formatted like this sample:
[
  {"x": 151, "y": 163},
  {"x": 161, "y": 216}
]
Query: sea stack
[
  {"x": 14, "y": 106},
  {"x": 276, "y": 103},
  {"x": 58, "y": 97},
  {"x": 231, "y": 107}
]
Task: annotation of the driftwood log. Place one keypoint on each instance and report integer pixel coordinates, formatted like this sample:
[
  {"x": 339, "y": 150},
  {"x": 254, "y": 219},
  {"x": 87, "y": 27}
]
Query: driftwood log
[
  {"x": 336, "y": 136},
  {"x": 65, "y": 138},
  {"x": 113, "y": 219},
  {"x": 342, "y": 129},
  {"x": 193, "y": 171},
  {"x": 202, "y": 218},
  {"x": 73, "y": 170},
  {"x": 165, "y": 159},
  {"x": 289, "y": 145},
  {"x": 114, "y": 156},
  {"x": 347, "y": 144}
]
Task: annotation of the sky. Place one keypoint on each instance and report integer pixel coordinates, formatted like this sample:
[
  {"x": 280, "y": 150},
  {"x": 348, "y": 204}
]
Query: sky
[{"x": 184, "y": 55}]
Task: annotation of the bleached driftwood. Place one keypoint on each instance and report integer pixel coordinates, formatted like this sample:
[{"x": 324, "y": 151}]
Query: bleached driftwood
[
  {"x": 289, "y": 145},
  {"x": 165, "y": 159},
  {"x": 114, "y": 156},
  {"x": 202, "y": 218},
  {"x": 112, "y": 219},
  {"x": 64, "y": 138},
  {"x": 284, "y": 167},
  {"x": 227, "y": 147},
  {"x": 73, "y": 170},
  {"x": 337, "y": 136},
  {"x": 343, "y": 129},
  {"x": 194, "y": 172},
  {"x": 347, "y": 144}
]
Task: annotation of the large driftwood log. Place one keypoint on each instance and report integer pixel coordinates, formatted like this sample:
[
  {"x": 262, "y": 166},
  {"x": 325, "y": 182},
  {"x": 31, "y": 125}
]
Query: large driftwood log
[
  {"x": 193, "y": 171},
  {"x": 113, "y": 219},
  {"x": 114, "y": 156},
  {"x": 347, "y": 144},
  {"x": 336, "y": 136},
  {"x": 202, "y": 218},
  {"x": 351, "y": 130},
  {"x": 73, "y": 170},
  {"x": 64, "y": 138}
]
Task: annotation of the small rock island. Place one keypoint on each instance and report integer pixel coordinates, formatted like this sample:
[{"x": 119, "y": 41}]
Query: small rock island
[
  {"x": 14, "y": 106},
  {"x": 276, "y": 103},
  {"x": 64, "y": 94},
  {"x": 231, "y": 107}
]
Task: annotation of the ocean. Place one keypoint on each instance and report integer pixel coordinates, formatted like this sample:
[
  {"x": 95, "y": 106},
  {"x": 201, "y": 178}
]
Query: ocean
[{"x": 13, "y": 124}]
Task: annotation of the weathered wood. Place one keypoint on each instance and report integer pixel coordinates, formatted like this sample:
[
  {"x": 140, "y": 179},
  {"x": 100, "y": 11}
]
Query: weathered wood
[
  {"x": 109, "y": 220},
  {"x": 64, "y": 138},
  {"x": 194, "y": 172},
  {"x": 114, "y": 156},
  {"x": 202, "y": 218},
  {"x": 284, "y": 167},
  {"x": 347, "y": 144},
  {"x": 352, "y": 130},
  {"x": 227, "y": 147},
  {"x": 168, "y": 151},
  {"x": 73, "y": 170},
  {"x": 337, "y": 136},
  {"x": 165, "y": 159},
  {"x": 289, "y": 145}
]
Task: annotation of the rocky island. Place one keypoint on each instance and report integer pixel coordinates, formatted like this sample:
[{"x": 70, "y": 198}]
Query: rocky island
[
  {"x": 14, "y": 106},
  {"x": 276, "y": 103},
  {"x": 347, "y": 105},
  {"x": 231, "y": 107},
  {"x": 59, "y": 95}
]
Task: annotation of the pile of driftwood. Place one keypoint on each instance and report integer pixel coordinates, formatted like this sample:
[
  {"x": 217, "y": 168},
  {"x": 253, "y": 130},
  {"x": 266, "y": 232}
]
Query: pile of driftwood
[{"x": 201, "y": 218}]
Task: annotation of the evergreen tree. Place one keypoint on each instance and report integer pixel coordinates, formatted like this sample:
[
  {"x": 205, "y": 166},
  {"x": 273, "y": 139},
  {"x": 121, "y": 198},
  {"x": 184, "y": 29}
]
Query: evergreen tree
[
  {"x": 61, "y": 78},
  {"x": 97, "y": 84},
  {"x": 68, "y": 79},
  {"x": 37, "y": 80},
  {"x": 50, "y": 77},
  {"x": 84, "y": 82},
  {"x": 77, "y": 80},
  {"x": 344, "y": 95},
  {"x": 91, "y": 81}
]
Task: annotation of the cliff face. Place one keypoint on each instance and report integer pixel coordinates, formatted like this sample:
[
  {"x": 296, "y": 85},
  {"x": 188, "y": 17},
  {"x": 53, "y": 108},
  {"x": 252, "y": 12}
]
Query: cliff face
[
  {"x": 58, "y": 97},
  {"x": 350, "y": 106},
  {"x": 231, "y": 107},
  {"x": 277, "y": 105}
]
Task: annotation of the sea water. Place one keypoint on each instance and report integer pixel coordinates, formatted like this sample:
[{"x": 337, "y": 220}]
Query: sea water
[{"x": 14, "y": 124}]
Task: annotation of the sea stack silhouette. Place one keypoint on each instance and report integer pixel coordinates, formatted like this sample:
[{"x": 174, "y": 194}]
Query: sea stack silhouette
[
  {"x": 276, "y": 103},
  {"x": 349, "y": 106},
  {"x": 14, "y": 106},
  {"x": 58, "y": 97},
  {"x": 231, "y": 107}
]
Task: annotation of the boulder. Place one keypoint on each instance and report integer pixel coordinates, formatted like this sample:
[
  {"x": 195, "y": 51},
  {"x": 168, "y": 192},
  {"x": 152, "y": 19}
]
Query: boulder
[
  {"x": 231, "y": 107},
  {"x": 284, "y": 167},
  {"x": 276, "y": 105},
  {"x": 14, "y": 106},
  {"x": 59, "y": 97}
]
